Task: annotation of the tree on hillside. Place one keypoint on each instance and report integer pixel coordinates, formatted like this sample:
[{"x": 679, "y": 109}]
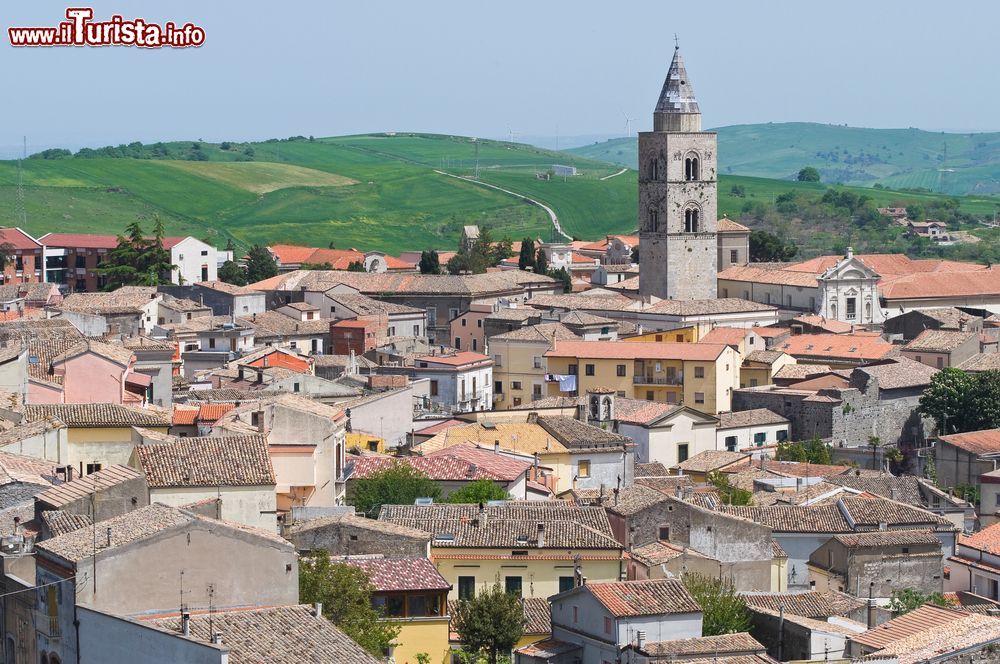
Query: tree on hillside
[
  {"x": 489, "y": 623},
  {"x": 345, "y": 593},
  {"x": 724, "y": 610},
  {"x": 399, "y": 484},
  {"x": 260, "y": 264},
  {"x": 483, "y": 254},
  {"x": 232, "y": 273},
  {"x": 908, "y": 599},
  {"x": 811, "y": 451},
  {"x": 526, "y": 258},
  {"x": 960, "y": 402},
  {"x": 430, "y": 263},
  {"x": 769, "y": 248},
  {"x": 808, "y": 174},
  {"x": 563, "y": 275},
  {"x": 479, "y": 491}
]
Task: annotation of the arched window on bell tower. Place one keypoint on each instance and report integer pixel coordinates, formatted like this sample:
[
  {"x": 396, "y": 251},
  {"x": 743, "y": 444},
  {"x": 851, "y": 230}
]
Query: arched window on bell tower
[
  {"x": 654, "y": 219},
  {"x": 691, "y": 167},
  {"x": 691, "y": 220},
  {"x": 654, "y": 169}
]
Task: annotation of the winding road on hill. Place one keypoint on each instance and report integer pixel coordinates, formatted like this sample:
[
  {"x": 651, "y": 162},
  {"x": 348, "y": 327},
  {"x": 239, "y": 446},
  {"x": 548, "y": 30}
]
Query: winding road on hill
[
  {"x": 613, "y": 175},
  {"x": 550, "y": 211}
]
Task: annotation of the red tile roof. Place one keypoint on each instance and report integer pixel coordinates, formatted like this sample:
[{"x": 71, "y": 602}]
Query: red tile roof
[
  {"x": 18, "y": 239},
  {"x": 210, "y": 412},
  {"x": 90, "y": 241},
  {"x": 487, "y": 461},
  {"x": 975, "y": 442},
  {"x": 727, "y": 225},
  {"x": 847, "y": 346},
  {"x": 619, "y": 350},
  {"x": 441, "y": 467},
  {"x": 987, "y": 539},
  {"x": 985, "y": 281},
  {"x": 456, "y": 359},
  {"x": 732, "y": 336},
  {"x": 184, "y": 416},
  {"x": 399, "y": 574},
  {"x": 920, "y": 619},
  {"x": 644, "y": 598},
  {"x": 339, "y": 259}
]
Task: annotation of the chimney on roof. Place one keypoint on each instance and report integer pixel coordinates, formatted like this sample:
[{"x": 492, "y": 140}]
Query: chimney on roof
[
  {"x": 496, "y": 447},
  {"x": 640, "y": 638},
  {"x": 109, "y": 536},
  {"x": 541, "y": 536},
  {"x": 871, "y": 606},
  {"x": 217, "y": 638},
  {"x": 318, "y": 609},
  {"x": 185, "y": 623},
  {"x": 482, "y": 514},
  {"x": 850, "y": 252}
]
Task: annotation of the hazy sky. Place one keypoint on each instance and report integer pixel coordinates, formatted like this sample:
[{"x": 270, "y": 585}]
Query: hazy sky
[{"x": 541, "y": 68}]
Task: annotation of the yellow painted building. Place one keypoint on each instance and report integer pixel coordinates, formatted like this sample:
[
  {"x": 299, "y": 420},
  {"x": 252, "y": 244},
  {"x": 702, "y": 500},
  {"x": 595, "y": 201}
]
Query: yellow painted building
[
  {"x": 534, "y": 548},
  {"x": 412, "y": 594},
  {"x": 699, "y": 375},
  {"x": 759, "y": 367},
  {"x": 683, "y": 335},
  {"x": 365, "y": 442},
  {"x": 99, "y": 434},
  {"x": 519, "y": 363}
]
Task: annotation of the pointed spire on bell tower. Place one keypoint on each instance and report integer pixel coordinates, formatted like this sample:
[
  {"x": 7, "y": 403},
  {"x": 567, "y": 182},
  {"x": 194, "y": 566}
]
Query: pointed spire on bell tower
[{"x": 677, "y": 109}]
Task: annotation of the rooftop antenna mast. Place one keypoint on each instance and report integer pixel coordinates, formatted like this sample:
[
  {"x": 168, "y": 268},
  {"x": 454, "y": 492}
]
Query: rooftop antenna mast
[
  {"x": 20, "y": 214},
  {"x": 476, "y": 141}
]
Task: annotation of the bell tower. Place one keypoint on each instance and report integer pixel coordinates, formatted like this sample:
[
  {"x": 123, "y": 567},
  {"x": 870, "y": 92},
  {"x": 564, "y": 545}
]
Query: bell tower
[{"x": 678, "y": 255}]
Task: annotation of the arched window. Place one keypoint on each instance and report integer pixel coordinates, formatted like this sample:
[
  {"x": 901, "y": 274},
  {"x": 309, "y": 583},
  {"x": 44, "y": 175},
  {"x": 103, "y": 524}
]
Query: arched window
[
  {"x": 654, "y": 169},
  {"x": 868, "y": 311},
  {"x": 691, "y": 168},
  {"x": 54, "y": 659},
  {"x": 691, "y": 220},
  {"x": 654, "y": 219},
  {"x": 833, "y": 311},
  {"x": 44, "y": 659}
]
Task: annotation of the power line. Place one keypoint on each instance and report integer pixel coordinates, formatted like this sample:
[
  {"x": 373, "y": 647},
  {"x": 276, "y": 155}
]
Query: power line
[{"x": 41, "y": 585}]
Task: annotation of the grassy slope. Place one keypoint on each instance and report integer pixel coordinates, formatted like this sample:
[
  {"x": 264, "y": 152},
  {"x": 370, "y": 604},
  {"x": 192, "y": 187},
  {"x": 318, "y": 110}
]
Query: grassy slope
[
  {"x": 397, "y": 202},
  {"x": 898, "y": 158}
]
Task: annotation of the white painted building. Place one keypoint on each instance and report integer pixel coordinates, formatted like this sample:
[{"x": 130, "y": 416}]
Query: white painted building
[
  {"x": 665, "y": 433},
  {"x": 195, "y": 260},
  {"x": 461, "y": 382},
  {"x": 749, "y": 429}
]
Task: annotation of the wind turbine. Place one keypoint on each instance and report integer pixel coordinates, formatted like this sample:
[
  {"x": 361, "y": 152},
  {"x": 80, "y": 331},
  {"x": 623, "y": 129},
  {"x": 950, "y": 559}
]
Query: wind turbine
[
  {"x": 628, "y": 124},
  {"x": 510, "y": 134}
]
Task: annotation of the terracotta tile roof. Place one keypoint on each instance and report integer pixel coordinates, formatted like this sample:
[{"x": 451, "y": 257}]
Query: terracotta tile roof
[
  {"x": 274, "y": 324},
  {"x": 881, "y": 538},
  {"x": 652, "y": 469},
  {"x": 727, "y": 225},
  {"x": 543, "y": 332},
  {"x": 60, "y": 522},
  {"x": 920, "y": 619},
  {"x": 440, "y": 466},
  {"x": 987, "y": 539},
  {"x": 973, "y": 632},
  {"x": 577, "y": 436},
  {"x": 459, "y": 359},
  {"x": 772, "y": 332},
  {"x": 399, "y": 574},
  {"x": 905, "y": 489},
  {"x": 667, "y": 485},
  {"x": 837, "y": 346},
  {"x": 982, "y": 362},
  {"x": 213, "y": 461},
  {"x": 900, "y": 373},
  {"x": 548, "y": 649},
  {"x": 832, "y": 326},
  {"x": 277, "y": 635},
  {"x": 870, "y": 511},
  {"x": 622, "y": 350},
  {"x": 82, "y": 487},
  {"x": 940, "y": 341},
  {"x": 537, "y": 616},
  {"x": 117, "y": 302},
  {"x": 986, "y": 441},
  {"x": 982, "y": 281},
  {"x": 659, "y": 552},
  {"x": 643, "y": 598},
  {"x": 709, "y": 646},
  {"x": 633, "y": 499},
  {"x": 18, "y": 239},
  {"x": 92, "y": 241},
  {"x": 399, "y": 283},
  {"x": 710, "y": 460},
  {"x": 210, "y": 412},
  {"x": 501, "y": 466},
  {"x": 762, "y": 275},
  {"x": 732, "y": 336},
  {"x": 26, "y": 469},
  {"x": 797, "y": 468},
  {"x": 114, "y": 352},
  {"x": 639, "y": 411},
  {"x": 793, "y": 518},
  {"x": 355, "y": 521},
  {"x": 99, "y": 415},
  {"x": 722, "y": 305},
  {"x": 521, "y": 437},
  {"x": 435, "y": 429},
  {"x": 811, "y": 604},
  {"x": 229, "y": 289},
  {"x": 366, "y": 306},
  {"x": 750, "y": 418},
  {"x": 512, "y": 525}
]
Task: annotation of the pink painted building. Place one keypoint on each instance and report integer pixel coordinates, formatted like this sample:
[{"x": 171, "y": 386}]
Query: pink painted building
[{"x": 91, "y": 372}]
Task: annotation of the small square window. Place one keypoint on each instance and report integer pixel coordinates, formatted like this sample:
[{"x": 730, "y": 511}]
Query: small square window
[
  {"x": 589, "y": 369},
  {"x": 699, "y": 372},
  {"x": 620, "y": 369},
  {"x": 699, "y": 397},
  {"x": 583, "y": 468}
]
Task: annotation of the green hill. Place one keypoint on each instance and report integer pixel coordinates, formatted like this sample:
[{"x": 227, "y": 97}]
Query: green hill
[
  {"x": 396, "y": 192},
  {"x": 956, "y": 164},
  {"x": 387, "y": 192}
]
